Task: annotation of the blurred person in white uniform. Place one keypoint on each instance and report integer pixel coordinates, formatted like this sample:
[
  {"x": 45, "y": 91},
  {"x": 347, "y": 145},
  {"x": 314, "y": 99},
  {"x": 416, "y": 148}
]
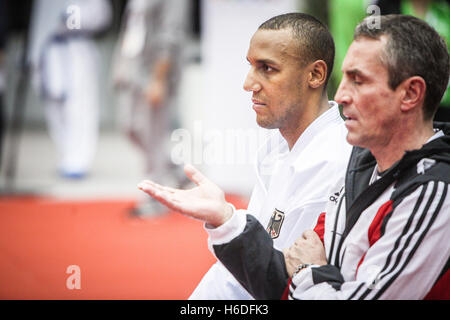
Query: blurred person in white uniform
[
  {"x": 147, "y": 70},
  {"x": 65, "y": 61}
]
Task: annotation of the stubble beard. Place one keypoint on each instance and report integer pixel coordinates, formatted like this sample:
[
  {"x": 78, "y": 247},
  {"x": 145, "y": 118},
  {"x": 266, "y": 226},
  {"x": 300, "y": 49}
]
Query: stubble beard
[{"x": 281, "y": 122}]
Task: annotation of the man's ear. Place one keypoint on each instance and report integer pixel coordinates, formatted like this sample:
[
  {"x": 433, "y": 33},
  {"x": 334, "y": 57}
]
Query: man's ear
[
  {"x": 413, "y": 93},
  {"x": 318, "y": 74}
]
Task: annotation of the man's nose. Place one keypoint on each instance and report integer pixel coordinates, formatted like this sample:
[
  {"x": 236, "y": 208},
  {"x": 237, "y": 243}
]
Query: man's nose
[
  {"x": 342, "y": 95},
  {"x": 250, "y": 84}
]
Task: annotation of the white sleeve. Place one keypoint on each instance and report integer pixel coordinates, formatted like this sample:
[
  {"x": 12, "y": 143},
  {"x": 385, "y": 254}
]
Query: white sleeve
[
  {"x": 218, "y": 283},
  {"x": 228, "y": 231},
  {"x": 404, "y": 263}
]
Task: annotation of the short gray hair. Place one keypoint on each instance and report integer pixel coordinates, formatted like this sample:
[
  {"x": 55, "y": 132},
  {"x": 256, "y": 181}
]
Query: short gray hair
[{"x": 413, "y": 48}]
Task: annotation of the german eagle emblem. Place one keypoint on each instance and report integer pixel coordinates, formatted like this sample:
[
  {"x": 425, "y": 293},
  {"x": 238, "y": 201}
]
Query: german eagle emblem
[{"x": 275, "y": 223}]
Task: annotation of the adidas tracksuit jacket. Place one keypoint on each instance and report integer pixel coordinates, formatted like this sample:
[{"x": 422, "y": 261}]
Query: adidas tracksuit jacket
[{"x": 385, "y": 238}]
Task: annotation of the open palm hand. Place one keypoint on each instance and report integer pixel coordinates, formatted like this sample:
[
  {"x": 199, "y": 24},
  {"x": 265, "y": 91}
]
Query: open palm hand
[{"x": 205, "y": 202}]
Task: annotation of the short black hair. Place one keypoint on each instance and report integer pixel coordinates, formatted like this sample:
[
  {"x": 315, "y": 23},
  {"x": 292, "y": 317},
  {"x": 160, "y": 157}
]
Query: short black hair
[
  {"x": 315, "y": 40},
  {"x": 413, "y": 48}
]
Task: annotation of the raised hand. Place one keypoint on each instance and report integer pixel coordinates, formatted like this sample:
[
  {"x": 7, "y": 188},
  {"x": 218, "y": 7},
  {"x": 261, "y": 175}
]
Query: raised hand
[{"x": 205, "y": 202}]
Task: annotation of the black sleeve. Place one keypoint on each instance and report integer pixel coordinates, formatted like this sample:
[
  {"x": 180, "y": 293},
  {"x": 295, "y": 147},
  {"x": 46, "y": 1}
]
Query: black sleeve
[
  {"x": 254, "y": 262},
  {"x": 329, "y": 274}
]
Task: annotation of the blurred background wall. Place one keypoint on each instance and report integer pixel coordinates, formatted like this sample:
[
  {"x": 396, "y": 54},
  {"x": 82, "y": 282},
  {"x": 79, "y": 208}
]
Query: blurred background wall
[{"x": 214, "y": 108}]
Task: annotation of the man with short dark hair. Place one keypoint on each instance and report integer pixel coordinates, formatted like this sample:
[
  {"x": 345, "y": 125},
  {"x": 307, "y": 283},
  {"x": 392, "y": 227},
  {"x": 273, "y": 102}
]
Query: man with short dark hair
[
  {"x": 296, "y": 167},
  {"x": 386, "y": 233}
]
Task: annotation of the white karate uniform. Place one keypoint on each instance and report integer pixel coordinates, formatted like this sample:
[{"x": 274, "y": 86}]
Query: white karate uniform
[
  {"x": 66, "y": 62},
  {"x": 297, "y": 183}
]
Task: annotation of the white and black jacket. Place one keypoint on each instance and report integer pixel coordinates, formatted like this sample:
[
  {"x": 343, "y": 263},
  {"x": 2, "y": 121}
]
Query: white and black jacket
[
  {"x": 291, "y": 191},
  {"x": 384, "y": 240}
]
